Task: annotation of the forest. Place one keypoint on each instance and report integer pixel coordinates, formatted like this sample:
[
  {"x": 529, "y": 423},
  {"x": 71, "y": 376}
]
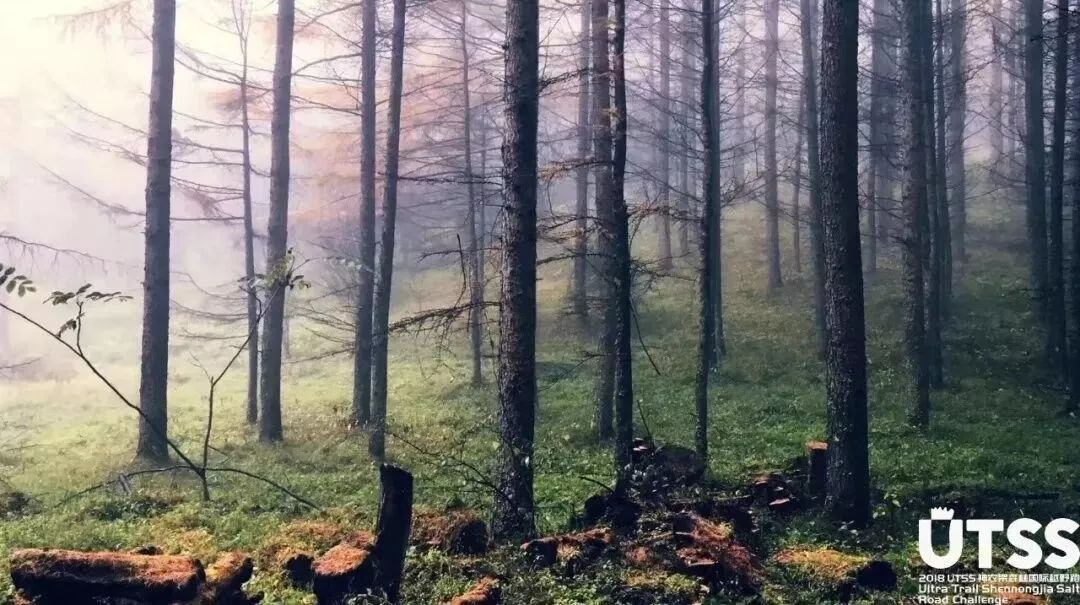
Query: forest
[{"x": 530, "y": 302}]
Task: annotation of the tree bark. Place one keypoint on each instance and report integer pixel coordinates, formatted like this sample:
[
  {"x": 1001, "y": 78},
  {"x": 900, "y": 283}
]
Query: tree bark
[
  {"x": 154, "y": 365},
  {"x": 383, "y": 285},
  {"x": 847, "y": 497},
  {"x": 935, "y": 200},
  {"x": 514, "y": 508},
  {"x": 957, "y": 124},
  {"x": 665, "y": 135},
  {"x": 1073, "y": 404},
  {"x": 249, "y": 241},
  {"x": 366, "y": 274},
  {"x": 476, "y": 286},
  {"x": 711, "y": 151},
  {"x": 913, "y": 165},
  {"x": 1035, "y": 158},
  {"x": 810, "y": 90},
  {"x": 579, "y": 295},
  {"x": 772, "y": 195},
  {"x": 604, "y": 179},
  {"x": 278, "y": 229},
  {"x": 796, "y": 208},
  {"x": 395, "y": 506},
  {"x": 997, "y": 87},
  {"x": 623, "y": 286},
  {"x": 1055, "y": 311}
]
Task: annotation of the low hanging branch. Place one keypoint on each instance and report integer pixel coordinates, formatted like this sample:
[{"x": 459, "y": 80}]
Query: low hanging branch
[{"x": 69, "y": 335}]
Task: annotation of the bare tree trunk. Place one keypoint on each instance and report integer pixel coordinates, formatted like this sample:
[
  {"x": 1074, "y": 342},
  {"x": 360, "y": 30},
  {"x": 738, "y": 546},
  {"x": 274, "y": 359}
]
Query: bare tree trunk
[
  {"x": 709, "y": 118},
  {"x": 913, "y": 165},
  {"x": 624, "y": 377},
  {"x": 381, "y": 327},
  {"x": 1035, "y": 159},
  {"x": 154, "y": 368},
  {"x": 935, "y": 180},
  {"x": 514, "y": 516},
  {"x": 772, "y": 195},
  {"x": 739, "y": 151},
  {"x": 602, "y": 150},
  {"x": 249, "y": 236},
  {"x": 876, "y": 183},
  {"x": 997, "y": 89},
  {"x": 1055, "y": 311},
  {"x": 957, "y": 119},
  {"x": 665, "y": 135},
  {"x": 796, "y": 209},
  {"x": 366, "y": 274},
  {"x": 476, "y": 286},
  {"x": 687, "y": 94},
  {"x": 719, "y": 339},
  {"x": 847, "y": 495},
  {"x": 579, "y": 286},
  {"x": 1073, "y": 404},
  {"x": 278, "y": 229},
  {"x": 810, "y": 90}
]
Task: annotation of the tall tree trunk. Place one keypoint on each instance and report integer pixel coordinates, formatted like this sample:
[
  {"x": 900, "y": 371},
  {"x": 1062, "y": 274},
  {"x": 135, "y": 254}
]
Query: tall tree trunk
[
  {"x": 847, "y": 496},
  {"x": 1073, "y": 404},
  {"x": 381, "y": 327},
  {"x": 772, "y": 194},
  {"x": 154, "y": 374},
  {"x": 476, "y": 287},
  {"x": 579, "y": 286},
  {"x": 249, "y": 246},
  {"x": 1035, "y": 159},
  {"x": 957, "y": 119},
  {"x": 914, "y": 165},
  {"x": 686, "y": 138},
  {"x": 876, "y": 184},
  {"x": 604, "y": 179},
  {"x": 1055, "y": 310},
  {"x": 739, "y": 151},
  {"x": 934, "y": 197},
  {"x": 719, "y": 339},
  {"x": 623, "y": 286},
  {"x": 796, "y": 209},
  {"x": 709, "y": 118},
  {"x": 944, "y": 218},
  {"x": 278, "y": 229},
  {"x": 366, "y": 275},
  {"x": 515, "y": 516},
  {"x": 997, "y": 88},
  {"x": 665, "y": 135},
  {"x": 810, "y": 90}
]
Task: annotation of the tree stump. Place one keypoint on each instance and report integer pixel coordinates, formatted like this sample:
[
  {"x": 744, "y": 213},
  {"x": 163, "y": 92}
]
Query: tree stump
[
  {"x": 348, "y": 570},
  {"x": 816, "y": 468}
]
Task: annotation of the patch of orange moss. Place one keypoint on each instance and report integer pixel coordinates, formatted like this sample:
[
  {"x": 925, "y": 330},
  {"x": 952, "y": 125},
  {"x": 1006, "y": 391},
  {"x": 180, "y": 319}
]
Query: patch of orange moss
[
  {"x": 823, "y": 563},
  {"x": 485, "y": 592},
  {"x": 341, "y": 560}
]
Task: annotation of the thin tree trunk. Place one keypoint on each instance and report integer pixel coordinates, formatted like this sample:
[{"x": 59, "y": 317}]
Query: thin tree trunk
[
  {"x": 514, "y": 508},
  {"x": 1073, "y": 404},
  {"x": 686, "y": 92},
  {"x": 624, "y": 377},
  {"x": 602, "y": 149},
  {"x": 476, "y": 287},
  {"x": 249, "y": 249},
  {"x": 810, "y": 90},
  {"x": 875, "y": 181},
  {"x": 913, "y": 165},
  {"x": 712, "y": 190},
  {"x": 772, "y": 194},
  {"x": 278, "y": 229},
  {"x": 154, "y": 368},
  {"x": 1035, "y": 159},
  {"x": 944, "y": 222},
  {"x": 665, "y": 135},
  {"x": 997, "y": 88},
  {"x": 366, "y": 275},
  {"x": 739, "y": 151},
  {"x": 935, "y": 179},
  {"x": 579, "y": 286},
  {"x": 796, "y": 209},
  {"x": 847, "y": 495},
  {"x": 1055, "y": 316},
  {"x": 957, "y": 119},
  {"x": 719, "y": 339},
  {"x": 381, "y": 328}
]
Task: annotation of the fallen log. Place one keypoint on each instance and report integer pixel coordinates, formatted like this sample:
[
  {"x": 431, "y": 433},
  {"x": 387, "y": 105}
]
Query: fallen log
[{"x": 66, "y": 576}]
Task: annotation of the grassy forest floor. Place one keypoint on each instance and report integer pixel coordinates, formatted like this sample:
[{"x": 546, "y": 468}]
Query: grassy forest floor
[{"x": 996, "y": 431}]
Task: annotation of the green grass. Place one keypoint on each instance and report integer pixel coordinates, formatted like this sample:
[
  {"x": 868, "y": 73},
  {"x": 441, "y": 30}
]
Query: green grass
[{"x": 996, "y": 426}]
